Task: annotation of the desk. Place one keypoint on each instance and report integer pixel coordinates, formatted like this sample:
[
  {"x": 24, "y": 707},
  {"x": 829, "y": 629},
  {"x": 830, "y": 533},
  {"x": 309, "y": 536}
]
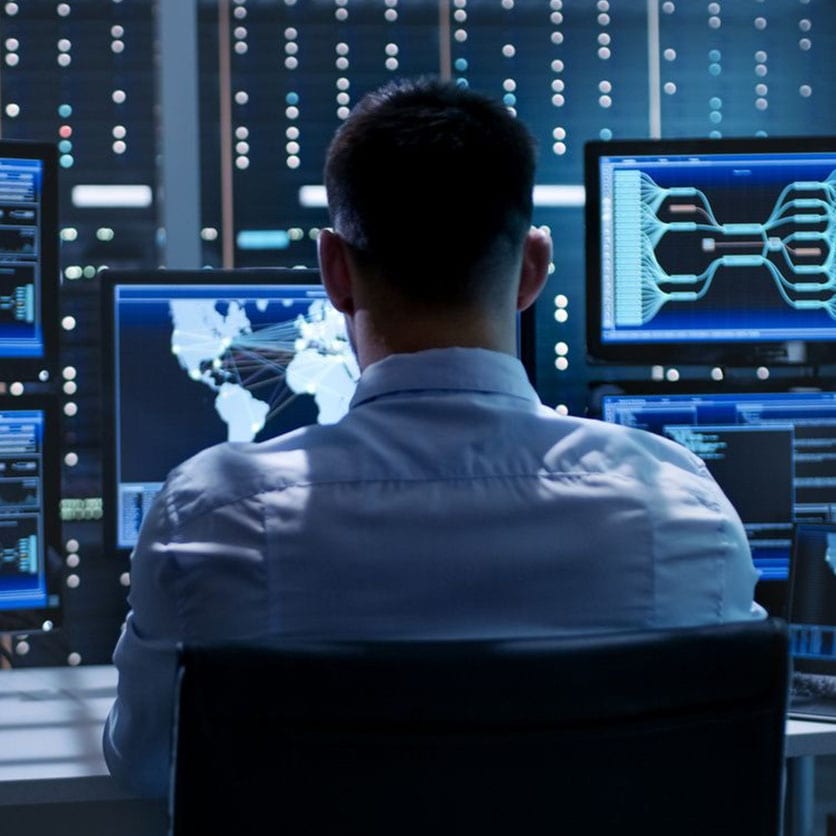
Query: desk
[
  {"x": 53, "y": 777},
  {"x": 805, "y": 740},
  {"x": 51, "y": 763},
  {"x": 809, "y": 738}
]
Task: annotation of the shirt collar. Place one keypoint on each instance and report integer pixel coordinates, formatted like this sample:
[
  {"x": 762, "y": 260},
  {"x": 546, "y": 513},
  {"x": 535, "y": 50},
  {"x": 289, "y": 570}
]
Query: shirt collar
[{"x": 445, "y": 369}]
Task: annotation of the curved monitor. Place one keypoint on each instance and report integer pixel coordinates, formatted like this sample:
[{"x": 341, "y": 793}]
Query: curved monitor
[
  {"x": 31, "y": 569},
  {"x": 28, "y": 259},
  {"x": 711, "y": 251}
]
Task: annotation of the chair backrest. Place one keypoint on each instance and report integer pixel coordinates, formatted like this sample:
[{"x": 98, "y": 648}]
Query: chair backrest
[{"x": 655, "y": 732}]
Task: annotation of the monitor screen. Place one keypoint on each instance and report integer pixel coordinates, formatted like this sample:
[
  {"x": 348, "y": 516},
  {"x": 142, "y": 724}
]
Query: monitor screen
[
  {"x": 771, "y": 452},
  {"x": 812, "y": 600},
  {"x": 713, "y": 250},
  {"x": 194, "y": 358},
  {"x": 28, "y": 258},
  {"x": 30, "y": 519}
]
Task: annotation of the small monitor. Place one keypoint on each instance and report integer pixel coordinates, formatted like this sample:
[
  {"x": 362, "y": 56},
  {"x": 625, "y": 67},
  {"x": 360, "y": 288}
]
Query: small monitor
[
  {"x": 812, "y": 600},
  {"x": 30, "y": 520},
  {"x": 812, "y": 622},
  {"x": 771, "y": 453},
  {"x": 195, "y": 358},
  {"x": 711, "y": 251},
  {"x": 28, "y": 259}
]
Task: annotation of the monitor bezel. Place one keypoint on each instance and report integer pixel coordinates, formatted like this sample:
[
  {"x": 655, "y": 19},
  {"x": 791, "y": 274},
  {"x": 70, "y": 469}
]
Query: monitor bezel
[
  {"x": 737, "y": 353},
  {"x": 40, "y": 367},
  {"x": 109, "y": 280},
  {"x": 48, "y": 617}
]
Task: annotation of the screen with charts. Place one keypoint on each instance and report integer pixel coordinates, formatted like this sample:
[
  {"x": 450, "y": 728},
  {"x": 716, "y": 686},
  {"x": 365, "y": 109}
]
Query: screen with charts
[
  {"x": 194, "y": 358},
  {"x": 28, "y": 256},
  {"x": 771, "y": 452},
  {"x": 30, "y": 565},
  {"x": 711, "y": 250}
]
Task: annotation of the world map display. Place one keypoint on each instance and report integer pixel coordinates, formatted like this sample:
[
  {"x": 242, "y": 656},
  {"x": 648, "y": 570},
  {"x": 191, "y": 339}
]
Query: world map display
[
  {"x": 198, "y": 365},
  {"x": 256, "y": 371}
]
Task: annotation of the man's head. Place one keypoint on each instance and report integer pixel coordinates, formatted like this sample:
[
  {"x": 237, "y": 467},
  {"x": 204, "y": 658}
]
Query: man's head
[{"x": 430, "y": 193}]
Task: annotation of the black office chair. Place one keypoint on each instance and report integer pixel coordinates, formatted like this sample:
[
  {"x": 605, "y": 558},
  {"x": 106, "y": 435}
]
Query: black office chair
[{"x": 670, "y": 732}]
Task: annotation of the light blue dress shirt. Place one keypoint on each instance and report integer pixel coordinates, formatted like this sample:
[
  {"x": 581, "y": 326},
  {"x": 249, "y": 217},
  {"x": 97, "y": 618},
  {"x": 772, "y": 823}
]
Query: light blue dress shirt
[{"x": 447, "y": 502}]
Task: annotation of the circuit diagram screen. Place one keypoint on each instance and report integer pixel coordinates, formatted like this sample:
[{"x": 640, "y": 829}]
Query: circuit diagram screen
[{"x": 710, "y": 247}]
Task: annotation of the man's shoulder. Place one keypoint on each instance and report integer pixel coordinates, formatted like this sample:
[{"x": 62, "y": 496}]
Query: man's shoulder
[
  {"x": 228, "y": 472},
  {"x": 602, "y": 445}
]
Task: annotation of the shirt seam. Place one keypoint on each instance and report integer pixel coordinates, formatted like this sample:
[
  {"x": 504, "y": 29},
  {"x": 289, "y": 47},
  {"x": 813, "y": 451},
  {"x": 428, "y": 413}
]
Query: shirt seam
[{"x": 260, "y": 491}]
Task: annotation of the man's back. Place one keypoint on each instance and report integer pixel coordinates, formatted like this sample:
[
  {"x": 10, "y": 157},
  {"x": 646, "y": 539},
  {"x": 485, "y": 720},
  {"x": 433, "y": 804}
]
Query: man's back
[{"x": 450, "y": 502}]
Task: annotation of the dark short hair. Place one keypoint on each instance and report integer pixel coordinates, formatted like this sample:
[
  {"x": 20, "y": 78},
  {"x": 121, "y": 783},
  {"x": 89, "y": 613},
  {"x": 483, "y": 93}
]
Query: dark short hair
[{"x": 431, "y": 185}]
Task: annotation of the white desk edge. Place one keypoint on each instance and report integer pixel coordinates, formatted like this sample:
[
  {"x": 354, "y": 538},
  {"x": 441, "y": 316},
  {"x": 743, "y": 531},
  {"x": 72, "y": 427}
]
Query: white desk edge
[{"x": 51, "y": 723}]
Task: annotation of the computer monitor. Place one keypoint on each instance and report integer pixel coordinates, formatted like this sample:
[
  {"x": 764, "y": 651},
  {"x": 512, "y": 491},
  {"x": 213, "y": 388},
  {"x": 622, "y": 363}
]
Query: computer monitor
[
  {"x": 31, "y": 568},
  {"x": 771, "y": 452},
  {"x": 711, "y": 251},
  {"x": 192, "y": 358},
  {"x": 29, "y": 277},
  {"x": 812, "y": 603}
]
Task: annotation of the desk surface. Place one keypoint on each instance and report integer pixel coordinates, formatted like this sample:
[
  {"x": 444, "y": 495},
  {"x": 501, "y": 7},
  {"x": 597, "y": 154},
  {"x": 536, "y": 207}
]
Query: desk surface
[
  {"x": 51, "y": 723},
  {"x": 808, "y": 737}
]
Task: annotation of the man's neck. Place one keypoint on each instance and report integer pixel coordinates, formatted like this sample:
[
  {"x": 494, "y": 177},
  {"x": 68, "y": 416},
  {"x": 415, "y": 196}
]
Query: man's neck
[{"x": 419, "y": 334}]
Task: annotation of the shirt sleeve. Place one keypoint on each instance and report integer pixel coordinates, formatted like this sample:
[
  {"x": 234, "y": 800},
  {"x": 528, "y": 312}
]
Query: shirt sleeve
[
  {"x": 702, "y": 552},
  {"x": 137, "y": 733},
  {"x": 197, "y": 574}
]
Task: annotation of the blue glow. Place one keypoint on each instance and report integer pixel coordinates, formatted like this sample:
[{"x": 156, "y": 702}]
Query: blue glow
[{"x": 263, "y": 239}]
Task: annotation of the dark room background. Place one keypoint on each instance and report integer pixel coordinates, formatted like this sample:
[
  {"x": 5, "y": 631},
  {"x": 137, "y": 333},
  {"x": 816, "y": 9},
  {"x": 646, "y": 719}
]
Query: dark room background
[{"x": 192, "y": 132}]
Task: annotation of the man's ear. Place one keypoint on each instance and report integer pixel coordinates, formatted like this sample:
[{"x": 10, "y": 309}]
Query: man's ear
[
  {"x": 335, "y": 270},
  {"x": 537, "y": 256}
]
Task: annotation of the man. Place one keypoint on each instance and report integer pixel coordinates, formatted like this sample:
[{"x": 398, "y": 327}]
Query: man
[{"x": 449, "y": 501}]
